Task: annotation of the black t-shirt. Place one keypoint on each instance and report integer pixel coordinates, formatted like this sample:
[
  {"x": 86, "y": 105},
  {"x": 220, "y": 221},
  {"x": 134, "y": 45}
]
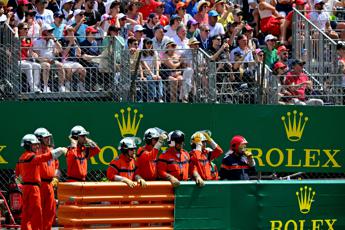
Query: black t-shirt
[
  {"x": 148, "y": 32},
  {"x": 92, "y": 17}
]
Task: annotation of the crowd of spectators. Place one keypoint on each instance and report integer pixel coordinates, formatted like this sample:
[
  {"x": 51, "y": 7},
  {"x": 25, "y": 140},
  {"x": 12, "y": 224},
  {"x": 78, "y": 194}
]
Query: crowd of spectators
[{"x": 71, "y": 36}]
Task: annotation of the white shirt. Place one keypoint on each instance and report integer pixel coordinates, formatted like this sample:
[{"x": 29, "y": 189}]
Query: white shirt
[
  {"x": 170, "y": 32},
  {"x": 44, "y": 49},
  {"x": 47, "y": 17},
  {"x": 319, "y": 20},
  {"x": 181, "y": 44},
  {"x": 34, "y": 30},
  {"x": 247, "y": 58},
  {"x": 217, "y": 29}
]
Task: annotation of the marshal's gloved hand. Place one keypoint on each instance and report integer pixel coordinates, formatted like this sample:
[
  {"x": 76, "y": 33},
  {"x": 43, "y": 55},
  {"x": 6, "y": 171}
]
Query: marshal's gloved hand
[
  {"x": 59, "y": 152},
  {"x": 162, "y": 137},
  {"x": 208, "y": 138},
  {"x": 55, "y": 182},
  {"x": 197, "y": 139},
  {"x": 248, "y": 154}
]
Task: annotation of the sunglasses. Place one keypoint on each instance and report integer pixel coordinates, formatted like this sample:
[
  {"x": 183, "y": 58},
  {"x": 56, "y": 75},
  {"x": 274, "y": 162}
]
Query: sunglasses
[
  {"x": 135, "y": 44},
  {"x": 272, "y": 40},
  {"x": 183, "y": 8},
  {"x": 260, "y": 55},
  {"x": 285, "y": 53},
  {"x": 218, "y": 39},
  {"x": 148, "y": 43},
  {"x": 207, "y": 31},
  {"x": 25, "y": 28}
]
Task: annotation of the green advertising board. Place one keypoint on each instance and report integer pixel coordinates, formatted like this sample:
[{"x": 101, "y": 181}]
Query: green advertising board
[
  {"x": 281, "y": 138},
  {"x": 267, "y": 205}
]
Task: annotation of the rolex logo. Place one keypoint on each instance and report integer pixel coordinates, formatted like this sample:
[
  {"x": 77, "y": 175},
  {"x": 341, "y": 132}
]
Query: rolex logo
[
  {"x": 294, "y": 126},
  {"x": 305, "y": 197},
  {"x": 130, "y": 126}
]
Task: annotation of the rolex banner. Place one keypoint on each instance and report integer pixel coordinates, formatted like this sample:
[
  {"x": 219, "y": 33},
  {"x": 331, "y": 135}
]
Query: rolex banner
[
  {"x": 269, "y": 205},
  {"x": 281, "y": 138}
]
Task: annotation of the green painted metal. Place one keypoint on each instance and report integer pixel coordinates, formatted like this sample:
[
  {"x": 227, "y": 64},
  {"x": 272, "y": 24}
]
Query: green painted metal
[
  {"x": 320, "y": 147},
  {"x": 261, "y": 205}
]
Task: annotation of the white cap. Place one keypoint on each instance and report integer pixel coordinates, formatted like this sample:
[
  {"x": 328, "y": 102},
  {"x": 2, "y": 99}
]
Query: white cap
[
  {"x": 270, "y": 37},
  {"x": 121, "y": 15},
  {"x": 63, "y": 2},
  {"x": 78, "y": 11},
  {"x": 47, "y": 27},
  {"x": 138, "y": 28},
  {"x": 317, "y": 1}
]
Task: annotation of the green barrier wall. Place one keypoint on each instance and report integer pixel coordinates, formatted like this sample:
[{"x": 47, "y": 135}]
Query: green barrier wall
[
  {"x": 309, "y": 140},
  {"x": 261, "y": 205}
]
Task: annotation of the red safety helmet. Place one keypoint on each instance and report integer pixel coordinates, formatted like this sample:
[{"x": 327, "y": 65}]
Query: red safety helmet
[{"x": 236, "y": 142}]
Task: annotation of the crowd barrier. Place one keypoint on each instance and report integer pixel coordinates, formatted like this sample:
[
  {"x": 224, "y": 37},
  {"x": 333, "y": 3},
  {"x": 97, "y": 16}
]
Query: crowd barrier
[{"x": 112, "y": 205}]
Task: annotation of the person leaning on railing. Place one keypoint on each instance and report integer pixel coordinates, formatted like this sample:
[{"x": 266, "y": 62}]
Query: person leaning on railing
[
  {"x": 27, "y": 59},
  {"x": 341, "y": 53}
]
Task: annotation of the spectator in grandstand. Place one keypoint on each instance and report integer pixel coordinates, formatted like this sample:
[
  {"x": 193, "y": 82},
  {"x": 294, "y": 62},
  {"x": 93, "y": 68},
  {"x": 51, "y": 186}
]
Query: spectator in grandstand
[
  {"x": 253, "y": 43},
  {"x": 283, "y": 55},
  {"x": 279, "y": 71},
  {"x": 111, "y": 17},
  {"x": 217, "y": 50},
  {"x": 224, "y": 11},
  {"x": 28, "y": 167},
  {"x": 152, "y": 21},
  {"x": 259, "y": 56},
  {"x": 139, "y": 34},
  {"x": 27, "y": 59},
  {"x": 123, "y": 168},
  {"x": 215, "y": 27},
  {"x": 70, "y": 56},
  {"x": 192, "y": 29},
  {"x": 3, "y": 16},
  {"x": 23, "y": 6},
  {"x": 237, "y": 162},
  {"x": 173, "y": 165},
  {"x": 201, "y": 15},
  {"x": 271, "y": 55},
  {"x": 170, "y": 69},
  {"x": 243, "y": 49},
  {"x": 135, "y": 67},
  {"x": 66, "y": 10},
  {"x": 180, "y": 38},
  {"x": 124, "y": 26},
  {"x": 34, "y": 27},
  {"x": 54, "y": 6},
  {"x": 132, "y": 13},
  {"x": 58, "y": 25},
  {"x": 150, "y": 6},
  {"x": 175, "y": 21},
  {"x": 204, "y": 37},
  {"x": 284, "y": 7},
  {"x": 147, "y": 155},
  {"x": 150, "y": 64},
  {"x": 238, "y": 14},
  {"x": 270, "y": 19},
  {"x": 298, "y": 83},
  {"x": 79, "y": 25},
  {"x": 159, "y": 10},
  {"x": 321, "y": 19},
  {"x": 181, "y": 11},
  {"x": 341, "y": 64},
  {"x": 201, "y": 157},
  {"x": 81, "y": 149},
  {"x": 92, "y": 16},
  {"x": 43, "y": 15},
  {"x": 159, "y": 41},
  {"x": 286, "y": 31},
  {"x": 170, "y": 7},
  {"x": 48, "y": 48},
  {"x": 232, "y": 31},
  {"x": 50, "y": 173}
]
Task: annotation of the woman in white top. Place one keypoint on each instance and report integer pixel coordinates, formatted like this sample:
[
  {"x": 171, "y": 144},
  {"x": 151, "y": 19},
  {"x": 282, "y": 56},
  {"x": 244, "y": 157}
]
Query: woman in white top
[{"x": 34, "y": 28}]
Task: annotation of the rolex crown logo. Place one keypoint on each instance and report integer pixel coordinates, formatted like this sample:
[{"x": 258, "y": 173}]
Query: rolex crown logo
[
  {"x": 305, "y": 197},
  {"x": 129, "y": 127},
  {"x": 294, "y": 126}
]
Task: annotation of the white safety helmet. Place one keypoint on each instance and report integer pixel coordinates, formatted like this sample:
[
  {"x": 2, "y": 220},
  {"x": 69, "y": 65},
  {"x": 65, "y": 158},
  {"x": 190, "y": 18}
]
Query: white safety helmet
[
  {"x": 151, "y": 133},
  {"x": 28, "y": 140},
  {"x": 202, "y": 136},
  {"x": 127, "y": 143},
  {"x": 42, "y": 132},
  {"x": 78, "y": 131}
]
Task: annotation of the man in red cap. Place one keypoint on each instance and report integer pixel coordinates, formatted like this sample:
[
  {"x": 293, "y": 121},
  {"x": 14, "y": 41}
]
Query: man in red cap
[
  {"x": 149, "y": 7},
  {"x": 283, "y": 54}
]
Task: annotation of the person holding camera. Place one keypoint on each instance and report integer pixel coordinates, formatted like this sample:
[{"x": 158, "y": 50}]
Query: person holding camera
[
  {"x": 81, "y": 149},
  {"x": 48, "y": 48}
]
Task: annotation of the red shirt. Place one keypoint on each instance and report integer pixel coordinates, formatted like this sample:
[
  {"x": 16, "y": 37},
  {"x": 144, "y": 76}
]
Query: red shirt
[
  {"x": 163, "y": 20},
  {"x": 202, "y": 161},
  {"x": 146, "y": 162},
  {"x": 174, "y": 163},
  {"x": 146, "y": 10},
  {"x": 25, "y": 44},
  {"x": 122, "y": 166},
  {"x": 28, "y": 166},
  {"x": 47, "y": 169},
  {"x": 294, "y": 78},
  {"x": 76, "y": 158}
]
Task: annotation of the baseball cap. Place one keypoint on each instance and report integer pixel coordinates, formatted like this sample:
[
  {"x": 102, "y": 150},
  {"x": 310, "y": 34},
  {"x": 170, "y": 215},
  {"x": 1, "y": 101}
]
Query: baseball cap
[
  {"x": 318, "y": 2},
  {"x": 180, "y": 5},
  {"x": 193, "y": 41},
  {"x": 297, "y": 62},
  {"x": 77, "y": 12},
  {"x": 192, "y": 21},
  {"x": 279, "y": 65},
  {"x": 23, "y": 2},
  {"x": 91, "y": 29},
  {"x": 138, "y": 28},
  {"x": 213, "y": 13},
  {"x": 121, "y": 15},
  {"x": 158, "y": 27},
  {"x": 58, "y": 14},
  {"x": 65, "y": 1},
  {"x": 257, "y": 51},
  {"x": 282, "y": 49},
  {"x": 300, "y": 2},
  {"x": 270, "y": 37},
  {"x": 47, "y": 27}
]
